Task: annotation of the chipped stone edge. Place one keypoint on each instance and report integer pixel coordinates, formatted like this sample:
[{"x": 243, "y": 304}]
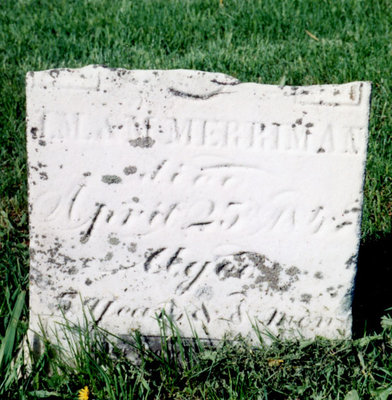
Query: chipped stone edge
[{"x": 231, "y": 81}]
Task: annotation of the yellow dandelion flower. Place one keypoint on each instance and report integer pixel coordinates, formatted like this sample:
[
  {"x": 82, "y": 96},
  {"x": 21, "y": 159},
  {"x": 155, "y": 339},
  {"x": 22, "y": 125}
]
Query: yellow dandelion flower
[
  {"x": 274, "y": 362},
  {"x": 83, "y": 393}
]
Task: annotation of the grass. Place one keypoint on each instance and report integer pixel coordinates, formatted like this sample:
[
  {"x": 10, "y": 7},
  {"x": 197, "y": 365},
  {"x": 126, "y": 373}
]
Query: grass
[
  {"x": 314, "y": 369},
  {"x": 290, "y": 41}
]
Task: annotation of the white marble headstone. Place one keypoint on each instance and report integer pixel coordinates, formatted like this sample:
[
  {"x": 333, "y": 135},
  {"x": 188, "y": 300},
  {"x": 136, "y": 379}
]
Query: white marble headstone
[{"x": 224, "y": 203}]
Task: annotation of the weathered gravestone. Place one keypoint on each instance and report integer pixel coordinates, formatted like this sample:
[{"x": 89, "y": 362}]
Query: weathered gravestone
[{"x": 224, "y": 203}]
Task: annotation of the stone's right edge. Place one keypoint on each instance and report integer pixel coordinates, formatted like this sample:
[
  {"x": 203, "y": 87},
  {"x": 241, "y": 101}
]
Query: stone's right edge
[{"x": 367, "y": 101}]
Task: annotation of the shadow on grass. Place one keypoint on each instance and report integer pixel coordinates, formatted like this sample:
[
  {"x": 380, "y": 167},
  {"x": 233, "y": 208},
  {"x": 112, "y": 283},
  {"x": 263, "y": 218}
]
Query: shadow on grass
[{"x": 373, "y": 287}]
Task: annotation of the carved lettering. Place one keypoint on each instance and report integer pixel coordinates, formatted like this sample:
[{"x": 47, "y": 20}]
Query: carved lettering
[{"x": 254, "y": 136}]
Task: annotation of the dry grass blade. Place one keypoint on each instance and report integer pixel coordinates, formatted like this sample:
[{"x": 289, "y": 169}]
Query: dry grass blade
[{"x": 312, "y": 36}]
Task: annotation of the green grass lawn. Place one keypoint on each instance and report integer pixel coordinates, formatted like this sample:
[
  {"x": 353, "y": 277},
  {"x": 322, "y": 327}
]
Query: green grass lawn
[{"x": 292, "y": 42}]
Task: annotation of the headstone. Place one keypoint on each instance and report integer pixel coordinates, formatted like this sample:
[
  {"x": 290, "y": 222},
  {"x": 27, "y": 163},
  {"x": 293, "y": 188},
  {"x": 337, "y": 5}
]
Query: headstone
[{"x": 226, "y": 204}]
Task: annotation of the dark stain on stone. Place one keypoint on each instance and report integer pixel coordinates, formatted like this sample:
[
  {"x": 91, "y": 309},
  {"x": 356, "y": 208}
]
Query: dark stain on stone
[
  {"x": 130, "y": 170},
  {"x": 32, "y": 253},
  {"x": 319, "y": 275},
  {"x": 85, "y": 262},
  {"x": 351, "y": 262},
  {"x": 204, "y": 292},
  {"x": 306, "y": 297},
  {"x": 143, "y": 142},
  {"x": 309, "y": 125},
  {"x": 320, "y": 150},
  {"x": 34, "y": 132},
  {"x": 132, "y": 247},
  {"x": 343, "y": 224},
  {"x": 111, "y": 179},
  {"x": 66, "y": 259},
  {"x": 299, "y": 121},
  {"x": 113, "y": 240},
  {"x": 292, "y": 271},
  {"x": 331, "y": 291},
  {"x": 259, "y": 268},
  {"x": 86, "y": 173},
  {"x": 88, "y": 281},
  {"x": 71, "y": 270},
  {"x": 43, "y": 176}
]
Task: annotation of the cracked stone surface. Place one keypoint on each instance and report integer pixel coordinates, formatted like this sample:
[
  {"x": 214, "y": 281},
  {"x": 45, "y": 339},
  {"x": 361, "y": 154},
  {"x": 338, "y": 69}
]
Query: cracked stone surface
[{"x": 224, "y": 203}]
